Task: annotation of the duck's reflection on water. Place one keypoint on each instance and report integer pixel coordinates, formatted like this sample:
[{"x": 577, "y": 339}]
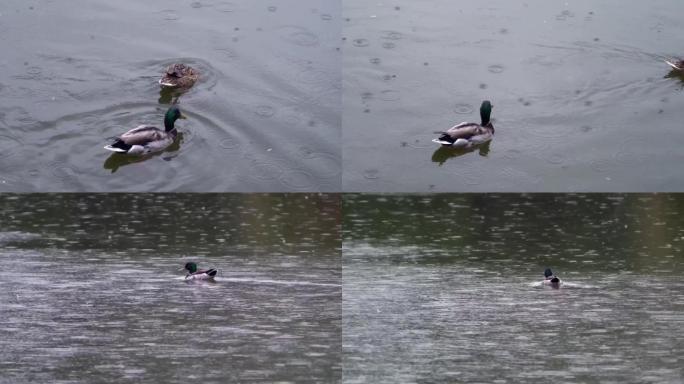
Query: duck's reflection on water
[
  {"x": 117, "y": 160},
  {"x": 170, "y": 95},
  {"x": 676, "y": 74},
  {"x": 442, "y": 154}
]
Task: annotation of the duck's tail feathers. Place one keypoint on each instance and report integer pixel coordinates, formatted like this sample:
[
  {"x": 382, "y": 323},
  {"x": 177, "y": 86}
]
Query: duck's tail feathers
[
  {"x": 118, "y": 146},
  {"x": 445, "y": 137},
  {"x": 212, "y": 272}
]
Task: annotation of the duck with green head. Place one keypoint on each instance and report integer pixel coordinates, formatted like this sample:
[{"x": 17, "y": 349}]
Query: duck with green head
[
  {"x": 467, "y": 135},
  {"x": 146, "y": 139},
  {"x": 199, "y": 274}
]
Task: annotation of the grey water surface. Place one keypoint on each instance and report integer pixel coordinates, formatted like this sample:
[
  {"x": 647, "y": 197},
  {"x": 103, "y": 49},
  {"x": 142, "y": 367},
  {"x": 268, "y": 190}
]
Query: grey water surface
[
  {"x": 583, "y": 100},
  {"x": 91, "y": 289},
  {"x": 446, "y": 288},
  {"x": 264, "y": 117}
]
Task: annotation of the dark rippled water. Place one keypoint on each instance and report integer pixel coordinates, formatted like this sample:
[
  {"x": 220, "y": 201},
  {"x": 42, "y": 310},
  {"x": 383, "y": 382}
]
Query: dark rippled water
[
  {"x": 264, "y": 117},
  {"x": 445, "y": 288},
  {"x": 582, "y": 98},
  {"x": 91, "y": 292}
]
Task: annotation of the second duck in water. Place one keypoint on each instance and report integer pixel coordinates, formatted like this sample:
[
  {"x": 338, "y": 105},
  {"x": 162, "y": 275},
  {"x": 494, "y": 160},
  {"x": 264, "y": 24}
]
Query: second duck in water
[
  {"x": 146, "y": 139},
  {"x": 179, "y": 76},
  {"x": 467, "y": 135}
]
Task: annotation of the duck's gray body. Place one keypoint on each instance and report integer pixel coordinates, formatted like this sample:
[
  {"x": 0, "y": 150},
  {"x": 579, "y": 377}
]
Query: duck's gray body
[
  {"x": 143, "y": 140},
  {"x": 466, "y": 135},
  {"x": 147, "y": 139}
]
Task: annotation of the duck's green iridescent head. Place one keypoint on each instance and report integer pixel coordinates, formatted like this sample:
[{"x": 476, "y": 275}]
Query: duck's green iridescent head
[
  {"x": 171, "y": 116},
  {"x": 485, "y": 112},
  {"x": 191, "y": 267}
]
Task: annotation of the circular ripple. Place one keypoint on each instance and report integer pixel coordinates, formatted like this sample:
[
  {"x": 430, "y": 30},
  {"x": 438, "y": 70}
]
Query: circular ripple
[
  {"x": 566, "y": 14},
  {"x": 62, "y": 171},
  {"x": 225, "y": 6},
  {"x": 360, "y": 42},
  {"x": 388, "y": 45},
  {"x": 512, "y": 154},
  {"x": 298, "y": 179},
  {"x": 266, "y": 171},
  {"x": 555, "y": 158},
  {"x": 600, "y": 165},
  {"x": 169, "y": 14},
  {"x": 324, "y": 165},
  {"x": 318, "y": 77},
  {"x": 463, "y": 108},
  {"x": 230, "y": 144},
  {"x": 391, "y": 35},
  {"x": 495, "y": 68},
  {"x": 299, "y": 36},
  {"x": 8, "y": 146},
  {"x": 305, "y": 152},
  {"x": 389, "y": 95},
  {"x": 226, "y": 52},
  {"x": 326, "y": 17},
  {"x": 34, "y": 71},
  {"x": 196, "y": 4},
  {"x": 272, "y": 9},
  {"x": 371, "y": 174},
  {"x": 375, "y": 60},
  {"x": 264, "y": 111}
]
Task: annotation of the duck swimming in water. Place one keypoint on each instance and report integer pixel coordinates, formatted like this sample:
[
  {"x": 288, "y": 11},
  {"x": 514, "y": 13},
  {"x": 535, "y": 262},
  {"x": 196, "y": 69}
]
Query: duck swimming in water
[
  {"x": 467, "y": 135},
  {"x": 199, "y": 274},
  {"x": 146, "y": 139},
  {"x": 179, "y": 76},
  {"x": 551, "y": 279}
]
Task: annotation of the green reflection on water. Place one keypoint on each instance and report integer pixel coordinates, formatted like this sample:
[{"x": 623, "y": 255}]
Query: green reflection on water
[
  {"x": 174, "y": 223},
  {"x": 632, "y": 232}
]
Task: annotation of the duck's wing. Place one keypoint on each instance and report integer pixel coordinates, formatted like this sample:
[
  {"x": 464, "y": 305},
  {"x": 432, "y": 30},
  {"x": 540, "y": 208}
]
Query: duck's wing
[
  {"x": 142, "y": 135},
  {"x": 480, "y": 139},
  {"x": 464, "y": 131},
  {"x": 210, "y": 272},
  {"x": 676, "y": 64}
]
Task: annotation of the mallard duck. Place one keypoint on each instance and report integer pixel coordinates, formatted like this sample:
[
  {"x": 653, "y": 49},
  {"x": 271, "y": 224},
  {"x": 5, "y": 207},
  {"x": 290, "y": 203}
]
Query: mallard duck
[
  {"x": 179, "y": 76},
  {"x": 676, "y": 64},
  {"x": 147, "y": 139},
  {"x": 551, "y": 279},
  {"x": 199, "y": 274},
  {"x": 466, "y": 135}
]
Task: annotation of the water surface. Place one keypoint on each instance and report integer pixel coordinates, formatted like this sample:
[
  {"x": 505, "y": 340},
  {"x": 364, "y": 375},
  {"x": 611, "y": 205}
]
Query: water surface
[
  {"x": 92, "y": 288},
  {"x": 264, "y": 117},
  {"x": 445, "y": 288},
  {"x": 582, "y": 98}
]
